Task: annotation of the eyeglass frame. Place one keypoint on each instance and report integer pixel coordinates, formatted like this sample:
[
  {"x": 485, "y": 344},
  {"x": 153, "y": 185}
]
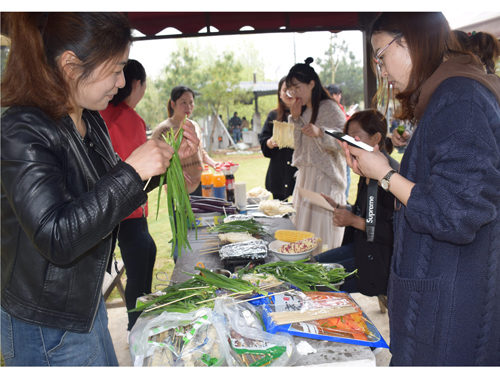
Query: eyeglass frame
[{"x": 376, "y": 57}]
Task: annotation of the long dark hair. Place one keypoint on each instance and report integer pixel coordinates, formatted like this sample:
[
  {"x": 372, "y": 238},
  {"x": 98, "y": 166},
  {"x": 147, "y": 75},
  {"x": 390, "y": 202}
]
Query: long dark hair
[
  {"x": 305, "y": 73},
  {"x": 282, "y": 109},
  {"x": 133, "y": 71},
  {"x": 175, "y": 94},
  {"x": 429, "y": 40},
  {"x": 33, "y": 76},
  {"x": 484, "y": 45},
  {"x": 372, "y": 122}
]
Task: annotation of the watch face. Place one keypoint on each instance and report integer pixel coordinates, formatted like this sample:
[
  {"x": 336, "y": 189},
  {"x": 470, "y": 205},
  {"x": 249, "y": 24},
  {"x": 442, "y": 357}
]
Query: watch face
[{"x": 384, "y": 184}]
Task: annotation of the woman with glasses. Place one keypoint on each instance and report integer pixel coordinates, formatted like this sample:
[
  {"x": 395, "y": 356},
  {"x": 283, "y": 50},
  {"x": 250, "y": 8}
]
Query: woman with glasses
[
  {"x": 445, "y": 276},
  {"x": 318, "y": 157}
]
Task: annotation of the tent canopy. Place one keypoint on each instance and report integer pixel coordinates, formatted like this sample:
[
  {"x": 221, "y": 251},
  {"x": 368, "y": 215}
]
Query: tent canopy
[{"x": 227, "y": 23}]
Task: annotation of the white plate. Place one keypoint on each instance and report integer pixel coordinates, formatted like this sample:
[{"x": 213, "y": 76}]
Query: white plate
[{"x": 275, "y": 245}]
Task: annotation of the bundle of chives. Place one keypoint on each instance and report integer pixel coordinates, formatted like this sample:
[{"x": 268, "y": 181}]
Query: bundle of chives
[{"x": 177, "y": 196}]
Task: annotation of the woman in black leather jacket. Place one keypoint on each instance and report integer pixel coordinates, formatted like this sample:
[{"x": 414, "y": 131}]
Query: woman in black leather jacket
[{"x": 64, "y": 189}]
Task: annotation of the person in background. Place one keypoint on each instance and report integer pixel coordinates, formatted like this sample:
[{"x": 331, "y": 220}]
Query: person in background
[
  {"x": 372, "y": 260},
  {"x": 128, "y": 131},
  {"x": 235, "y": 125},
  {"x": 336, "y": 93},
  {"x": 280, "y": 176},
  {"x": 64, "y": 189},
  {"x": 318, "y": 157},
  {"x": 180, "y": 107},
  {"x": 245, "y": 124},
  {"x": 447, "y": 220}
]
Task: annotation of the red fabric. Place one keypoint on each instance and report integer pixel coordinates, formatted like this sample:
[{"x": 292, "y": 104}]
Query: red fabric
[{"x": 127, "y": 131}]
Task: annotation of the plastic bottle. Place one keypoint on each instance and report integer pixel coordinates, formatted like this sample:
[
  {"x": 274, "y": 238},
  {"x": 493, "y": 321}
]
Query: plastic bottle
[
  {"x": 219, "y": 188},
  {"x": 207, "y": 182},
  {"x": 229, "y": 185}
]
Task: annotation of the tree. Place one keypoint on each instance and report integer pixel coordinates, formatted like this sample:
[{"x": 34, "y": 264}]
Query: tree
[
  {"x": 221, "y": 84},
  {"x": 335, "y": 54},
  {"x": 340, "y": 67}
]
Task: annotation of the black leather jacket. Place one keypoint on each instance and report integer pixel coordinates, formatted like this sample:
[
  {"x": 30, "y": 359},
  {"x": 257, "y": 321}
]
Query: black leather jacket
[{"x": 58, "y": 217}]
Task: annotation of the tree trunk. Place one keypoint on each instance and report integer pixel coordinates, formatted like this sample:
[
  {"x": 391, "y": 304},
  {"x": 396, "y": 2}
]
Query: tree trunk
[{"x": 213, "y": 129}]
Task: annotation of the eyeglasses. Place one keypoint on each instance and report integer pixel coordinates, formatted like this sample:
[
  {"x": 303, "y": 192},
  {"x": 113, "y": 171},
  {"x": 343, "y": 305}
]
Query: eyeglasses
[{"x": 377, "y": 56}]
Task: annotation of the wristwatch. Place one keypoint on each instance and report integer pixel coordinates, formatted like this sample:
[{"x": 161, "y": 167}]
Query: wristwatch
[{"x": 385, "y": 181}]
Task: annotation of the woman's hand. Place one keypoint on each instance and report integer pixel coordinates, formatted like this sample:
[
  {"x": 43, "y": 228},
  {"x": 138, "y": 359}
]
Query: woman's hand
[
  {"x": 343, "y": 218},
  {"x": 400, "y": 140},
  {"x": 330, "y": 200},
  {"x": 312, "y": 131},
  {"x": 296, "y": 108},
  {"x": 271, "y": 144},
  {"x": 151, "y": 159},
  {"x": 190, "y": 142},
  {"x": 364, "y": 163},
  {"x": 187, "y": 177}
]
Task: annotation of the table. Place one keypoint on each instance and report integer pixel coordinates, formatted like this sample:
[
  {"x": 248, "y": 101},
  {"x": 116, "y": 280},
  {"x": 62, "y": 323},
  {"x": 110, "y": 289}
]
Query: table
[{"x": 327, "y": 353}]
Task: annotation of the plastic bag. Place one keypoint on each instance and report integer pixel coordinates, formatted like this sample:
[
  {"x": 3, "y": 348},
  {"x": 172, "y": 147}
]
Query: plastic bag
[
  {"x": 176, "y": 339},
  {"x": 248, "y": 344}
]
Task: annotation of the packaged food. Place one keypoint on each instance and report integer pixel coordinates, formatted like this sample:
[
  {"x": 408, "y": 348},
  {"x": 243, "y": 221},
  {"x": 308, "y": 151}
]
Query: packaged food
[
  {"x": 249, "y": 344},
  {"x": 177, "y": 340},
  {"x": 331, "y": 316}
]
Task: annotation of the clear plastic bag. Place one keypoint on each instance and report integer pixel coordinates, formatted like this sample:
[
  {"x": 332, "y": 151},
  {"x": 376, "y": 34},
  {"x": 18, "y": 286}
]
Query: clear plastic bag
[
  {"x": 249, "y": 344},
  {"x": 177, "y": 340}
]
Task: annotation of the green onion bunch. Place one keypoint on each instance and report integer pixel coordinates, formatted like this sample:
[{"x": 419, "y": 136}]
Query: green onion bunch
[
  {"x": 251, "y": 226},
  {"x": 179, "y": 208},
  {"x": 305, "y": 276}
]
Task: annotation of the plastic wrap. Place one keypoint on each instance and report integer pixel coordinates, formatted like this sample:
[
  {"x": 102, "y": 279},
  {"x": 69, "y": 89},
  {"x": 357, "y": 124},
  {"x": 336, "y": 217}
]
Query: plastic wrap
[
  {"x": 251, "y": 250},
  {"x": 177, "y": 340},
  {"x": 249, "y": 344},
  {"x": 331, "y": 316}
]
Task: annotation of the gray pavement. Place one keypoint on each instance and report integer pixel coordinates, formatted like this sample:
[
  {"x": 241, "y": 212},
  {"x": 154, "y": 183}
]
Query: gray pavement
[{"x": 370, "y": 305}]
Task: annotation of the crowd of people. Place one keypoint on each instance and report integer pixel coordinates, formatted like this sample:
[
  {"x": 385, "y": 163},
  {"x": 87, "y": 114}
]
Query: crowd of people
[{"x": 77, "y": 166}]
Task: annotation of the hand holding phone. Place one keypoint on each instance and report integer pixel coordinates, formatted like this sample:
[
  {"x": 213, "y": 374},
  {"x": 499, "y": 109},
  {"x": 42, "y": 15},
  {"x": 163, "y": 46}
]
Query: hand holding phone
[{"x": 350, "y": 140}]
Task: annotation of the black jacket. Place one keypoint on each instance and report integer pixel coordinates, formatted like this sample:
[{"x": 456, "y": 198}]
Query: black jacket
[
  {"x": 373, "y": 259},
  {"x": 280, "y": 177},
  {"x": 58, "y": 217}
]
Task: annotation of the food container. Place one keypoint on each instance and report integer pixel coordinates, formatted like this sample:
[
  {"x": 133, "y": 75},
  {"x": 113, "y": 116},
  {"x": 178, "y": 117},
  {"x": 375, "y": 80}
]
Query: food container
[
  {"x": 289, "y": 257},
  {"x": 257, "y": 200}
]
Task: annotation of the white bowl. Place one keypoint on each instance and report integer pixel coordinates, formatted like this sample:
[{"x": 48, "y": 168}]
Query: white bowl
[{"x": 275, "y": 245}]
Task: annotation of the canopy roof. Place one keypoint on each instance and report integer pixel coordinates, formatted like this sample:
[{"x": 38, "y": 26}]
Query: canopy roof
[{"x": 226, "y": 23}]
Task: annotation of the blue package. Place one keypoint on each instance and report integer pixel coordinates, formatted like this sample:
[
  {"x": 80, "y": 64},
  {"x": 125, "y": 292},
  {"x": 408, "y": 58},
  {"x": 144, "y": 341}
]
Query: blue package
[{"x": 294, "y": 302}]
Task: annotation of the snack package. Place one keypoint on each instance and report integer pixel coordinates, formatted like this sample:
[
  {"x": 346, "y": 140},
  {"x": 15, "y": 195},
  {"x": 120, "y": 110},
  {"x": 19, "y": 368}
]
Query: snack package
[
  {"x": 331, "y": 316},
  {"x": 249, "y": 344},
  {"x": 176, "y": 340}
]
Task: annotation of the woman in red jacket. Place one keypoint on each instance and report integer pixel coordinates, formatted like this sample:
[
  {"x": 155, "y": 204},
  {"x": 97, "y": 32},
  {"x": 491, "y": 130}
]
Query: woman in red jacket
[{"x": 128, "y": 131}]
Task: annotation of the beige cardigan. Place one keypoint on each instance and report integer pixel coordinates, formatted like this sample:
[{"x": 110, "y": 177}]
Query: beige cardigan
[{"x": 330, "y": 159}]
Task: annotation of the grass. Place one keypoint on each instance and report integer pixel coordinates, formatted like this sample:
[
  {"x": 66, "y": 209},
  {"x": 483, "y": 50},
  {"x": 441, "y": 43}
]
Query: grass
[{"x": 252, "y": 170}]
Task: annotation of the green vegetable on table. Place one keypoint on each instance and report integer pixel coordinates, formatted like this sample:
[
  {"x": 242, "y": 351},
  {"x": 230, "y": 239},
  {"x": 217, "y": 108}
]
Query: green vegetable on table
[
  {"x": 305, "y": 276},
  {"x": 179, "y": 207},
  {"x": 251, "y": 226}
]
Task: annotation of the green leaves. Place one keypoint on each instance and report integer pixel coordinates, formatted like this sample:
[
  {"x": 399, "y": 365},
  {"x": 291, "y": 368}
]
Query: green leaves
[{"x": 179, "y": 208}]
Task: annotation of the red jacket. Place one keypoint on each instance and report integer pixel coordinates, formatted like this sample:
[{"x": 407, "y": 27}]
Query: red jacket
[{"x": 127, "y": 131}]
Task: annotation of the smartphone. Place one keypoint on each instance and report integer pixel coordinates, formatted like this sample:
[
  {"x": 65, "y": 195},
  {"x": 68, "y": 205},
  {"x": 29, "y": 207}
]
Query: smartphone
[{"x": 350, "y": 140}]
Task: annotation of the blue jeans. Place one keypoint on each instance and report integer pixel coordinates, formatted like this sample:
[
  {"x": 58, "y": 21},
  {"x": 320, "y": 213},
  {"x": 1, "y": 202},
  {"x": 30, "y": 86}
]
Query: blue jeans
[
  {"x": 236, "y": 135},
  {"x": 343, "y": 255},
  {"x": 138, "y": 250},
  {"x": 25, "y": 344}
]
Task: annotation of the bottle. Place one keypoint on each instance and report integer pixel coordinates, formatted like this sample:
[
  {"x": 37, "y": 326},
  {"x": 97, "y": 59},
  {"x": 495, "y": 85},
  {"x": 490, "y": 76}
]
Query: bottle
[
  {"x": 207, "y": 182},
  {"x": 219, "y": 188},
  {"x": 229, "y": 185}
]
